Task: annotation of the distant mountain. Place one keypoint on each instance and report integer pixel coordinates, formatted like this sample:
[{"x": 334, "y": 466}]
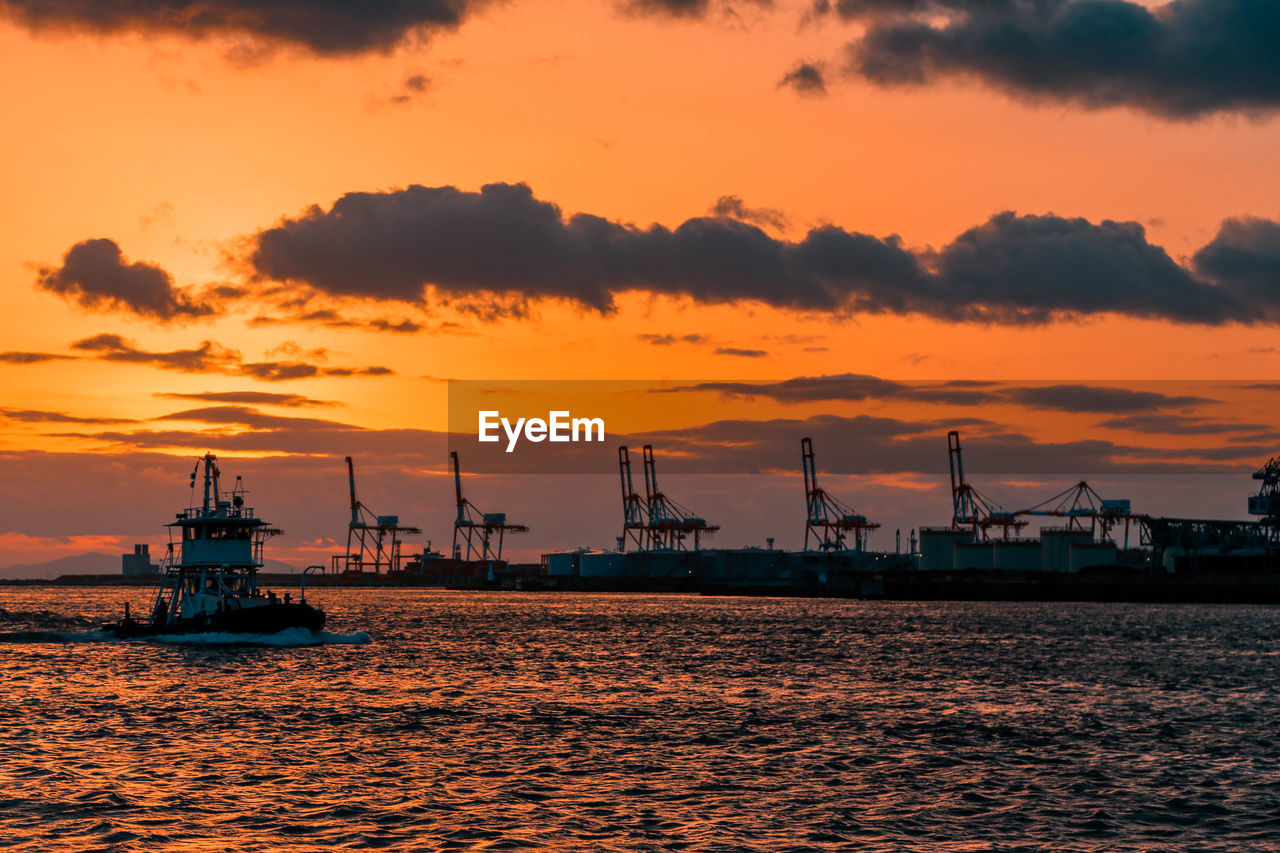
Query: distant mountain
[
  {"x": 92, "y": 563},
  {"x": 97, "y": 563},
  {"x": 279, "y": 567}
]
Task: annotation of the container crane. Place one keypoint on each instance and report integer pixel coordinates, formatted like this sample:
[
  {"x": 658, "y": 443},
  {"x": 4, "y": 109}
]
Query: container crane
[
  {"x": 373, "y": 541},
  {"x": 971, "y": 508},
  {"x": 667, "y": 524},
  {"x": 635, "y": 513},
  {"x": 829, "y": 521},
  {"x": 477, "y": 529},
  {"x": 1081, "y": 502},
  {"x": 1266, "y": 502}
]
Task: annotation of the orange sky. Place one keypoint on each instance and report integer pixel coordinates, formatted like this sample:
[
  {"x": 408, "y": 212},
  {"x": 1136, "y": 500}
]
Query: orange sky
[{"x": 179, "y": 153}]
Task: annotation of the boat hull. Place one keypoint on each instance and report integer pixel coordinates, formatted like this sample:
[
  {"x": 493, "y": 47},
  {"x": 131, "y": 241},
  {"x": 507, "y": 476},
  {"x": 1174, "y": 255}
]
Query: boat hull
[{"x": 264, "y": 619}]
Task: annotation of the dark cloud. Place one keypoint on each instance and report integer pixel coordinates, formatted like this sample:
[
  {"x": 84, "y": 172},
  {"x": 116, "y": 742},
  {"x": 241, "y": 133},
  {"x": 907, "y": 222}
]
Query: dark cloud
[
  {"x": 1098, "y": 400},
  {"x": 664, "y": 340},
  {"x": 671, "y": 8},
  {"x": 404, "y": 327},
  {"x": 249, "y": 417},
  {"x": 807, "y": 78},
  {"x": 1174, "y": 424},
  {"x": 212, "y": 357},
  {"x": 31, "y": 357},
  {"x": 1245, "y": 255},
  {"x": 253, "y": 398},
  {"x": 332, "y": 319},
  {"x": 743, "y": 353},
  {"x": 95, "y": 274},
  {"x": 375, "y": 370},
  {"x": 279, "y": 371},
  {"x": 332, "y": 27},
  {"x": 850, "y": 387},
  {"x": 1020, "y": 269},
  {"x": 37, "y": 416},
  {"x": 496, "y": 250},
  {"x": 733, "y": 207},
  {"x": 1182, "y": 60},
  {"x": 209, "y": 357}
]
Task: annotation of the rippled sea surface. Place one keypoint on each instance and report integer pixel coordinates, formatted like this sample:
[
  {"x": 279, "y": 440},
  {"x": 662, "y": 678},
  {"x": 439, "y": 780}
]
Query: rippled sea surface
[{"x": 595, "y": 722}]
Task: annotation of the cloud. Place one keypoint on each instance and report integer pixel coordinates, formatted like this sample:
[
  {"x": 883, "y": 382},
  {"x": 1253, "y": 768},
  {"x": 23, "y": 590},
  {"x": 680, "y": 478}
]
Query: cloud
[
  {"x": 1025, "y": 269},
  {"x": 1174, "y": 424},
  {"x": 95, "y": 274},
  {"x": 666, "y": 340},
  {"x": 497, "y": 250},
  {"x": 852, "y": 387},
  {"x": 1182, "y": 60},
  {"x": 264, "y": 398},
  {"x": 684, "y": 9},
  {"x": 37, "y": 416},
  {"x": 327, "y": 27},
  {"x": 807, "y": 78},
  {"x": 333, "y": 319},
  {"x": 249, "y": 417},
  {"x": 212, "y": 357},
  {"x": 206, "y": 358},
  {"x": 1245, "y": 255},
  {"x": 1094, "y": 399},
  {"x": 733, "y": 207},
  {"x": 12, "y": 357},
  {"x": 744, "y": 353}
]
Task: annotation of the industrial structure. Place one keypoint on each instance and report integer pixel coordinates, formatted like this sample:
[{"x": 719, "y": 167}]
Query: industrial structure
[
  {"x": 659, "y": 523},
  {"x": 1081, "y": 503},
  {"x": 831, "y": 523},
  {"x": 980, "y": 554},
  {"x": 373, "y": 541},
  {"x": 969, "y": 507},
  {"x": 481, "y": 532}
]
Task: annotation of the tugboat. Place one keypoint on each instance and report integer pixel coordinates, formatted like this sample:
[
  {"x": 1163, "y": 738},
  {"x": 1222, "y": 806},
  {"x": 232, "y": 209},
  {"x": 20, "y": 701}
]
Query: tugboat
[{"x": 210, "y": 574}]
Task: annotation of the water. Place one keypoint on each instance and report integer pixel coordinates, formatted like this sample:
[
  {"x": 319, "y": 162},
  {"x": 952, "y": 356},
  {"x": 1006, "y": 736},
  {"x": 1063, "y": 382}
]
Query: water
[{"x": 589, "y": 722}]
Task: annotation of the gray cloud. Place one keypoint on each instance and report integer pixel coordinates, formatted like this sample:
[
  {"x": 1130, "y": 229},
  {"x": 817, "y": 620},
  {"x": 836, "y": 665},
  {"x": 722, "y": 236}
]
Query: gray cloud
[
  {"x": 249, "y": 417},
  {"x": 40, "y": 416},
  {"x": 1182, "y": 60},
  {"x": 852, "y": 387},
  {"x": 501, "y": 247},
  {"x": 666, "y": 340},
  {"x": 742, "y": 353},
  {"x": 1174, "y": 424},
  {"x": 686, "y": 9},
  {"x": 1245, "y": 255},
  {"x": 735, "y": 208},
  {"x": 95, "y": 274},
  {"x": 1095, "y": 399},
  {"x": 807, "y": 78},
  {"x": 212, "y": 357},
  {"x": 332, "y": 27},
  {"x": 12, "y": 357},
  {"x": 253, "y": 398},
  {"x": 208, "y": 357}
]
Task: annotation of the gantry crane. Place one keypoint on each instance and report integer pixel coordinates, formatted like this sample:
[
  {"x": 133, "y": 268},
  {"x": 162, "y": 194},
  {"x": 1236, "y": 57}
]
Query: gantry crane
[
  {"x": 373, "y": 541},
  {"x": 477, "y": 529},
  {"x": 659, "y": 523},
  {"x": 1266, "y": 502},
  {"x": 829, "y": 521},
  {"x": 635, "y": 513},
  {"x": 1081, "y": 502},
  {"x": 971, "y": 508}
]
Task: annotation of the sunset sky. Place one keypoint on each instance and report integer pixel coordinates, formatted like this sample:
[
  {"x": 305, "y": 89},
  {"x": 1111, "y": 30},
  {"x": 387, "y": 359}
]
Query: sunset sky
[{"x": 276, "y": 234}]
